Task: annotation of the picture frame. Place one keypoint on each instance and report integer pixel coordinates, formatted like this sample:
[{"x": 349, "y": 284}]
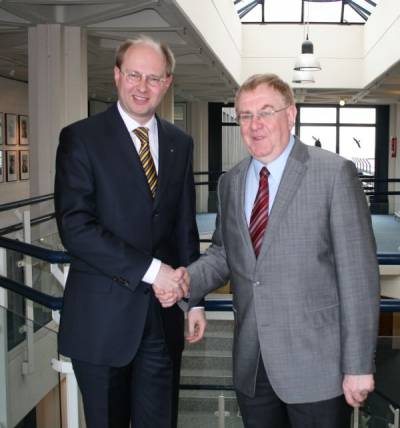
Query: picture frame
[
  {"x": 11, "y": 165},
  {"x": 24, "y": 168},
  {"x": 1, "y": 129},
  {"x": 23, "y": 125},
  {"x": 1, "y": 166},
  {"x": 11, "y": 129}
]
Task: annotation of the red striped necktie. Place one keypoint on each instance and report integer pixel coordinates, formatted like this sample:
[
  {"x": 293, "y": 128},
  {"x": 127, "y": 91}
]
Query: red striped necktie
[
  {"x": 145, "y": 158},
  {"x": 259, "y": 214}
]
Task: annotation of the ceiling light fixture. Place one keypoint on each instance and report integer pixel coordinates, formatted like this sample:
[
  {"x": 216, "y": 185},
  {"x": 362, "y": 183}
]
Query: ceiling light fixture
[
  {"x": 307, "y": 61},
  {"x": 300, "y": 76}
]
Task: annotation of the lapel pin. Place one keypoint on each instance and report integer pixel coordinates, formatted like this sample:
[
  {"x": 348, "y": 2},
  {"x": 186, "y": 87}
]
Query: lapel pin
[{"x": 171, "y": 150}]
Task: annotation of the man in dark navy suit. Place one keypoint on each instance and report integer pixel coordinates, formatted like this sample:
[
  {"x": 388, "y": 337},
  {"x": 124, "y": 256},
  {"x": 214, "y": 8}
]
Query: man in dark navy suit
[{"x": 125, "y": 206}]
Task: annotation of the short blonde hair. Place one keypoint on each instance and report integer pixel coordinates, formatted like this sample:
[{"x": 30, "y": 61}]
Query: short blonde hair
[
  {"x": 269, "y": 79},
  {"x": 146, "y": 40}
]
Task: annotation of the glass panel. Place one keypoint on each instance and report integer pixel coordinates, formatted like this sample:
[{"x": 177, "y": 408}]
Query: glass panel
[
  {"x": 233, "y": 150},
  {"x": 325, "y": 134},
  {"x": 228, "y": 115},
  {"x": 317, "y": 115},
  {"x": 254, "y": 15},
  {"x": 316, "y": 11},
  {"x": 199, "y": 408},
  {"x": 274, "y": 12},
  {"x": 323, "y": 12},
  {"x": 350, "y": 15},
  {"x": 376, "y": 412},
  {"x": 357, "y": 143},
  {"x": 28, "y": 383},
  {"x": 206, "y": 363},
  {"x": 357, "y": 115}
]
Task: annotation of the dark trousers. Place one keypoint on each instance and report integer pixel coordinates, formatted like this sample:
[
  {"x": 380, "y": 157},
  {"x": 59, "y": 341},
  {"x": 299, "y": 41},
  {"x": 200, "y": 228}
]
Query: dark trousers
[
  {"x": 266, "y": 410},
  {"x": 140, "y": 392},
  {"x": 176, "y": 357}
]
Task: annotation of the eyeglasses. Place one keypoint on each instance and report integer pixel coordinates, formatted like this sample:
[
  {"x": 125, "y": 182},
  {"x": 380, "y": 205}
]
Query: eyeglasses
[
  {"x": 263, "y": 115},
  {"x": 133, "y": 77}
]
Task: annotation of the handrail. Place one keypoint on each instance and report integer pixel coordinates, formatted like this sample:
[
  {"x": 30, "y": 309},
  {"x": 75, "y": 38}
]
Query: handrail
[
  {"x": 19, "y": 226},
  {"x": 51, "y": 302},
  {"x": 51, "y": 256},
  {"x": 24, "y": 202},
  {"x": 389, "y": 258}
]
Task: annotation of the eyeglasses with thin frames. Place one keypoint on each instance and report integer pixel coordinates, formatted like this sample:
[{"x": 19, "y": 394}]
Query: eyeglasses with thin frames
[
  {"x": 263, "y": 115},
  {"x": 134, "y": 77}
]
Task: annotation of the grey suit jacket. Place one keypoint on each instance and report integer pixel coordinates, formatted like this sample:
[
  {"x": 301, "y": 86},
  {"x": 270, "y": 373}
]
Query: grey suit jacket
[{"x": 309, "y": 304}]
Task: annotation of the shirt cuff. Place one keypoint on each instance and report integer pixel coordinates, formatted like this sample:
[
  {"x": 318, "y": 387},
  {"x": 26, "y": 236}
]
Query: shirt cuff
[
  {"x": 152, "y": 272},
  {"x": 196, "y": 307}
]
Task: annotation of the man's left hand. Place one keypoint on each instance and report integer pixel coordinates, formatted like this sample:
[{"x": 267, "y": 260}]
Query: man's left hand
[
  {"x": 196, "y": 325},
  {"x": 357, "y": 387}
]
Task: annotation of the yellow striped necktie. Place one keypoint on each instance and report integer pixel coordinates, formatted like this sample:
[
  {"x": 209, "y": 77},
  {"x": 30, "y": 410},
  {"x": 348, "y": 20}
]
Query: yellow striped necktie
[{"x": 145, "y": 158}]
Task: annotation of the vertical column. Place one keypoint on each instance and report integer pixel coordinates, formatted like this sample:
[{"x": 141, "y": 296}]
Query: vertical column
[
  {"x": 57, "y": 95},
  {"x": 199, "y": 131},
  {"x": 394, "y": 162}
]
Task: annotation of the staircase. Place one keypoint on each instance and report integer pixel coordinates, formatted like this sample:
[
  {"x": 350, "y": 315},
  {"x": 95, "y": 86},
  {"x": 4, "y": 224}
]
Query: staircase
[{"x": 209, "y": 362}]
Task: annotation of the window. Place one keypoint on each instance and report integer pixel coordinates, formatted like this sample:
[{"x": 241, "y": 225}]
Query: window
[{"x": 348, "y": 131}]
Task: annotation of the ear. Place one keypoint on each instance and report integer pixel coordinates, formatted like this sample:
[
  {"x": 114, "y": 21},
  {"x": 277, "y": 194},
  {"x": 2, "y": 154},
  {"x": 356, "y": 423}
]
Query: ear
[
  {"x": 291, "y": 112},
  {"x": 168, "y": 82},
  {"x": 117, "y": 75}
]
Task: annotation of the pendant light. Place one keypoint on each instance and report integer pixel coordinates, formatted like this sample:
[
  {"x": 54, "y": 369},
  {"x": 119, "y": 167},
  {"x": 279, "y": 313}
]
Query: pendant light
[{"x": 307, "y": 61}]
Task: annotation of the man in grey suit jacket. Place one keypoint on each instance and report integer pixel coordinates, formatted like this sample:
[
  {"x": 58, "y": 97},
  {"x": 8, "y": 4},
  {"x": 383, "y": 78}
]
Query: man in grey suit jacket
[{"x": 306, "y": 308}]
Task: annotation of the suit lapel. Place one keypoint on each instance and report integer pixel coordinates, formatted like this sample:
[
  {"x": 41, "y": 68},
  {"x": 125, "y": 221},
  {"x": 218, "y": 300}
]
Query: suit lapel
[
  {"x": 122, "y": 141},
  {"x": 291, "y": 179},
  {"x": 166, "y": 155},
  {"x": 239, "y": 190}
]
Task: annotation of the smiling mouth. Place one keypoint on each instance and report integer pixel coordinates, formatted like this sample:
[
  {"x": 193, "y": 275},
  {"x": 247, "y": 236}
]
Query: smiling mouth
[{"x": 139, "y": 98}]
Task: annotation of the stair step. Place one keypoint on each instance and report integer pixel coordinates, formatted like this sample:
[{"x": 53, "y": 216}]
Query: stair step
[
  {"x": 206, "y": 401},
  {"x": 206, "y": 377},
  {"x": 203, "y": 419},
  {"x": 213, "y": 341},
  {"x": 207, "y": 359}
]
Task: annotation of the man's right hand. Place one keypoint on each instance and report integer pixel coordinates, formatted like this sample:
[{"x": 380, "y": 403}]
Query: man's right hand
[{"x": 170, "y": 285}]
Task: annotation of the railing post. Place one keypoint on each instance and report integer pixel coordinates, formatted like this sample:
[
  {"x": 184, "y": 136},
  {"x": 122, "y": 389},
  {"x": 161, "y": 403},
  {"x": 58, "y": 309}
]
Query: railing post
[
  {"x": 221, "y": 411},
  {"x": 356, "y": 418},
  {"x": 65, "y": 367},
  {"x": 396, "y": 414},
  {"x": 28, "y": 365},
  {"x": 4, "y": 413}
]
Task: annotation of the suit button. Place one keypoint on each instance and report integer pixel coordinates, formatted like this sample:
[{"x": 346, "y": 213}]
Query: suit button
[
  {"x": 147, "y": 291},
  {"x": 256, "y": 283}
]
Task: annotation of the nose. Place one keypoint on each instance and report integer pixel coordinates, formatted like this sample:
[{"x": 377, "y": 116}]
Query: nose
[
  {"x": 142, "y": 85},
  {"x": 256, "y": 122}
]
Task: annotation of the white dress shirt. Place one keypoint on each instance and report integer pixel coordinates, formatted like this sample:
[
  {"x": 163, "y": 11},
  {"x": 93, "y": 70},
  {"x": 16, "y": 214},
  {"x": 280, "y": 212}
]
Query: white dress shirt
[{"x": 275, "y": 168}]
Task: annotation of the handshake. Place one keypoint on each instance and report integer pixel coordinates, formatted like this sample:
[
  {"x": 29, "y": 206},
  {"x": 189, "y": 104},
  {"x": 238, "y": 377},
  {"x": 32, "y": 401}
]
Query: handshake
[{"x": 171, "y": 285}]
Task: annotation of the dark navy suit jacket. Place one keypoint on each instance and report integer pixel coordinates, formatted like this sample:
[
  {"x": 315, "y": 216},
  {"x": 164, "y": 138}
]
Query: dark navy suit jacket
[{"x": 112, "y": 227}]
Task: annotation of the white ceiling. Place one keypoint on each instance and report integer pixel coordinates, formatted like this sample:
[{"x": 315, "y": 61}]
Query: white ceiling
[{"x": 199, "y": 75}]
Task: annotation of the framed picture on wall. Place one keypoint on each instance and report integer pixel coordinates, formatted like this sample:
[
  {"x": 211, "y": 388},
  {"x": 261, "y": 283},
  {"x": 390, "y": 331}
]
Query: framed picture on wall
[
  {"x": 11, "y": 129},
  {"x": 1, "y": 128},
  {"x": 24, "y": 164},
  {"x": 23, "y": 130},
  {"x": 11, "y": 165},
  {"x": 1, "y": 166}
]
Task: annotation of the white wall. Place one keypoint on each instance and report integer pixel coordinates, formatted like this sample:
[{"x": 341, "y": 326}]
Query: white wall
[
  {"x": 13, "y": 99},
  {"x": 274, "y": 48},
  {"x": 381, "y": 40},
  {"x": 219, "y": 26}
]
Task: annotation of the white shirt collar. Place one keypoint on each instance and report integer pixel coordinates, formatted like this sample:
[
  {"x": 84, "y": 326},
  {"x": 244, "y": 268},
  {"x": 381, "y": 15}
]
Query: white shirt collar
[{"x": 132, "y": 124}]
